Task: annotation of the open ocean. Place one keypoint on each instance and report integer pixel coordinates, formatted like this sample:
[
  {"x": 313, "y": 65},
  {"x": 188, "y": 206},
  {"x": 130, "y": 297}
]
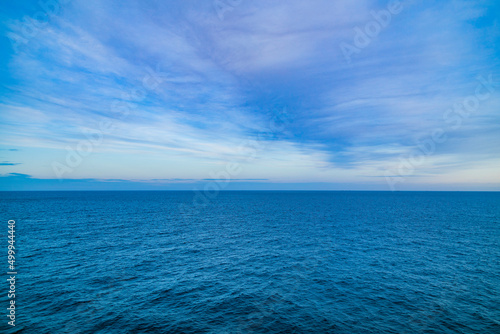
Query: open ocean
[{"x": 254, "y": 262}]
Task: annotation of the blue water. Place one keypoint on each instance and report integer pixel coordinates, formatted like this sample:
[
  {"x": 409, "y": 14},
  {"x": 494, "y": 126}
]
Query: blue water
[{"x": 254, "y": 262}]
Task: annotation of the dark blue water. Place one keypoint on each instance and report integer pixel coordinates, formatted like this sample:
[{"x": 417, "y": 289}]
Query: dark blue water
[{"x": 254, "y": 262}]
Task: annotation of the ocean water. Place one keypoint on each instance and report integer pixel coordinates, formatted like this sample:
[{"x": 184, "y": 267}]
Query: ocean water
[{"x": 254, "y": 262}]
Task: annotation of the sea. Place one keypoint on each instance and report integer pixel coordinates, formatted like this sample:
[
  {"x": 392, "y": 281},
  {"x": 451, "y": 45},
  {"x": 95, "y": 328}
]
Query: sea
[{"x": 252, "y": 262}]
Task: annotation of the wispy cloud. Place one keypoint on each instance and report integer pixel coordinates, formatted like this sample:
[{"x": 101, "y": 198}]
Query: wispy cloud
[
  {"x": 6, "y": 163},
  {"x": 223, "y": 81}
]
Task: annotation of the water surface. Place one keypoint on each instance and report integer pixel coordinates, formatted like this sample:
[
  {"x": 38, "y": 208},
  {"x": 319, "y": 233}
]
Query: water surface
[{"x": 256, "y": 262}]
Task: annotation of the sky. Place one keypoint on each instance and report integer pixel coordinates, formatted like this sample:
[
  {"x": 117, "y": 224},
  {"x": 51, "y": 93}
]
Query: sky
[{"x": 250, "y": 95}]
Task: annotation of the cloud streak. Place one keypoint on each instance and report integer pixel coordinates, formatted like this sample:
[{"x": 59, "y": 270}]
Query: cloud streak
[
  {"x": 224, "y": 81},
  {"x": 6, "y": 163}
]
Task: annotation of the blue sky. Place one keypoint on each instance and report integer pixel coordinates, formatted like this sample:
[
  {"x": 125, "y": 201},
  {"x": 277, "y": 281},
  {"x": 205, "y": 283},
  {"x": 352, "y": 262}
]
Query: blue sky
[{"x": 375, "y": 95}]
